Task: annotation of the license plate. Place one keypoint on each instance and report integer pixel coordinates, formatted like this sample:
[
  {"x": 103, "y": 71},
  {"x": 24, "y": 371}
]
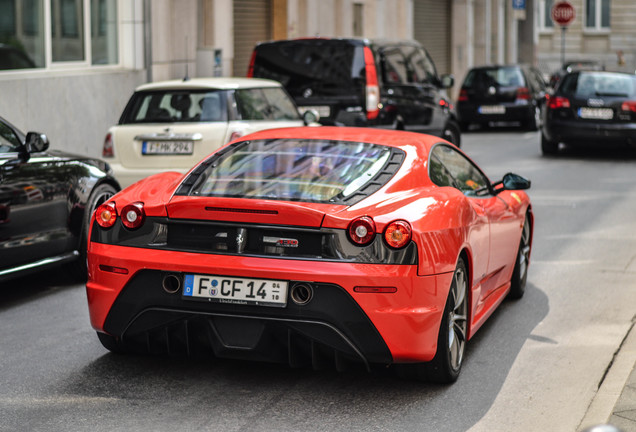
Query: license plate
[
  {"x": 222, "y": 289},
  {"x": 596, "y": 113},
  {"x": 323, "y": 110},
  {"x": 167, "y": 147},
  {"x": 492, "y": 109}
]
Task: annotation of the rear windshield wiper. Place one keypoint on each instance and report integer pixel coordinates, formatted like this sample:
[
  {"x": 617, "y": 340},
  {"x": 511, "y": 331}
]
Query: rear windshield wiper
[{"x": 611, "y": 94}]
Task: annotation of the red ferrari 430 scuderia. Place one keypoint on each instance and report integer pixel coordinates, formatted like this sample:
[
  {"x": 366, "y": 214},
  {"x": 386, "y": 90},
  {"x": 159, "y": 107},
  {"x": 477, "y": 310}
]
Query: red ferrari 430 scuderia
[{"x": 312, "y": 246}]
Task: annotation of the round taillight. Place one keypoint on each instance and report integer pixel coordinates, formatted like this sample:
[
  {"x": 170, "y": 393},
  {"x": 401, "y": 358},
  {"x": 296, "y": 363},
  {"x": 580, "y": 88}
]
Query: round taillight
[
  {"x": 398, "y": 234},
  {"x": 106, "y": 215},
  {"x": 133, "y": 215},
  {"x": 362, "y": 230}
]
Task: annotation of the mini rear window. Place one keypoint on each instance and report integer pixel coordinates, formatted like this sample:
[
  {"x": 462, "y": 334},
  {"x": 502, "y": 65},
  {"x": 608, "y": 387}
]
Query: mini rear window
[
  {"x": 176, "y": 106},
  {"x": 323, "y": 171}
]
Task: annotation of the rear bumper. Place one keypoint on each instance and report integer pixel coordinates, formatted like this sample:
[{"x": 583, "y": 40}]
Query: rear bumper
[
  {"x": 590, "y": 133},
  {"x": 373, "y": 328}
]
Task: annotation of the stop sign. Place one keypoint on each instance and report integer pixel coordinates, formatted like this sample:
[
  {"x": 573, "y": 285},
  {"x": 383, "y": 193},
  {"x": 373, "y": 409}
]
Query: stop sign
[{"x": 563, "y": 13}]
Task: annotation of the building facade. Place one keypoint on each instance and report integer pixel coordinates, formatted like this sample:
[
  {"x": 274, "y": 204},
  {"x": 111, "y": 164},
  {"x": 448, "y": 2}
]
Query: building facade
[
  {"x": 85, "y": 57},
  {"x": 602, "y": 30}
]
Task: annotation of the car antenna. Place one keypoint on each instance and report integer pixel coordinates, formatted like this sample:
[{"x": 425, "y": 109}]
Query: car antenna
[{"x": 186, "y": 77}]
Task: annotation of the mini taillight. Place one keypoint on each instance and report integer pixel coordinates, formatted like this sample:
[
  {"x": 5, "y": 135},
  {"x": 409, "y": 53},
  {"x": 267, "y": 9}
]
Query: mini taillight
[
  {"x": 106, "y": 215},
  {"x": 362, "y": 230},
  {"x": 108, "y": 151},
  {"x": 250, "y": 68},
  {"x": 463, "y": 96},
  {"x": 557, "y": 102},
  {"x": 629, "y": 106},
  {"x": 523, "y": 93},
  {"x": 372, "y": 89},
  {"x": 133, "y": 215},
  {"x": 234, "y": 135},
  {"x": 398, "y": 234}
]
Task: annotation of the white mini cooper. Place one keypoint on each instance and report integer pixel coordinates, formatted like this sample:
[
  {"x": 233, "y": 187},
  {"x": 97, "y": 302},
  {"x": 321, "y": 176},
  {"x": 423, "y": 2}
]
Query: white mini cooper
[{"x": 172, "y": 125}]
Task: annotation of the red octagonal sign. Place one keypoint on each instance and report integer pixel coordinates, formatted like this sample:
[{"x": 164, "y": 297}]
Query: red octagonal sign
[{"x": 563, "y": 13}]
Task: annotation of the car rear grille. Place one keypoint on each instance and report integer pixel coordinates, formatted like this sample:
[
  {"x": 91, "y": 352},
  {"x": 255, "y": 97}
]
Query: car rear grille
[{"x": 249, "y": 240}]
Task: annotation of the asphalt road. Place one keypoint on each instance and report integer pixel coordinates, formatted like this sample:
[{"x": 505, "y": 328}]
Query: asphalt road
[{"x": 534, "y": 366}]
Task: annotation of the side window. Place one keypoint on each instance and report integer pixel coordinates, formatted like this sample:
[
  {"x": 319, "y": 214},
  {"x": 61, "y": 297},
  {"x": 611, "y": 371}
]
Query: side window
[
  {"x": 394, "y": 66},
  {"x": 280, "y": 105},
  {"x": 252, "y": 104},
  {"x": 421, "y": 65},
  {"x": 539, "y": 79},
  {"x": 438, "y": 173},
  {"x": 9, "y": 141},
  {"x": 466, "y": 176}
]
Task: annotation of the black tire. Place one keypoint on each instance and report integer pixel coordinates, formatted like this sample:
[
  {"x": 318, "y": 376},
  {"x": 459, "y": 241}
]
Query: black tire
[
  {"x": 520, "y": 272},
  {"x": 452, "y": 133},
  {"x": 111, "y": 343},
  {"x": 99, "y": 195},
  {"x": 451, "y": 341},
  {"x": 548, "y": 147},
  {"x": 463, "y": 126}
]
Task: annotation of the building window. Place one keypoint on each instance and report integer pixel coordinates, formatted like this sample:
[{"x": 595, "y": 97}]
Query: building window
[
  {"x": 597, "y": 14},
  {"x": 545, "y": 15},
  {"x": 358, "y": 19},
  {"x": 84, "y": 32}
]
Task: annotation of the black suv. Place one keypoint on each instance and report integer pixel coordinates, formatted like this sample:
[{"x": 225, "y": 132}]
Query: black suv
[
  {"x": 361, "y": 82},
  {"x": 511, "y": 93}
]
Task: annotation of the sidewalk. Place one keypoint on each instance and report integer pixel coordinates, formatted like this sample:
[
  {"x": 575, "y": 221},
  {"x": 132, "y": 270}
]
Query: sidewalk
[{"x": 615, "y": 401}]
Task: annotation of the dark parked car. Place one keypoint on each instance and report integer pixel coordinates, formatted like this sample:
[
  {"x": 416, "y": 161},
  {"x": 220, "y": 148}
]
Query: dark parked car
[
  {"x": 493, "y": 94},
  {"x": 46, "y": 200},
  {"x": 360, "y": 82},
  {"x": 595, "y": 108}
]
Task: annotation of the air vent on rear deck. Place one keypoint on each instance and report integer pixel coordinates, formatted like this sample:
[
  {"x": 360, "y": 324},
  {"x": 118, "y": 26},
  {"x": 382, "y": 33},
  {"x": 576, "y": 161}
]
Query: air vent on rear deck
[{"x": 239, "y": 210}]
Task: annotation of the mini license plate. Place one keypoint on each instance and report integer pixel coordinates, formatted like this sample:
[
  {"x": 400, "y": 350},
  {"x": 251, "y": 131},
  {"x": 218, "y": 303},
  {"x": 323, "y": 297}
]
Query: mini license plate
[
  {"x": 167, "y": 147},
  {"x": 596, "y": 113},
  {"x": 492, "y": 109},
  {"x": 222, "y": 289}
]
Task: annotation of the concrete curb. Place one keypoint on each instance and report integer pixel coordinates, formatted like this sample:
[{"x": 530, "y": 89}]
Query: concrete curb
[{"x": 611, "y": 391}]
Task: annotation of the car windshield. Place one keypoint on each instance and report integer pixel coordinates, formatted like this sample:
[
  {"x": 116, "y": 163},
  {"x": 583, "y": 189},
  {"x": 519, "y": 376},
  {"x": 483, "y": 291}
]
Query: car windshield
[
  {"x": 508, "y": 76},
  {"x": 587, "y": 84},
  {"x": 174, "y": 106},
  {"x": 322, "y": 171}
]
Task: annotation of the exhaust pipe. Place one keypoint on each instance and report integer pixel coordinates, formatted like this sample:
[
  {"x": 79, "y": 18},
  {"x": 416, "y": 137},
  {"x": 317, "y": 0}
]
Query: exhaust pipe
[
  {"x": 171, "y": 283},
  {"x": 302, "y": 293}
]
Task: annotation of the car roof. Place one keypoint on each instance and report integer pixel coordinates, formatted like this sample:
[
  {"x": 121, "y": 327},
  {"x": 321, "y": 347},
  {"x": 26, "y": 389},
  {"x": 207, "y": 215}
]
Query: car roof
[
  {"x": 380, "y": 42},
  {"x": 209, "y": 83}
]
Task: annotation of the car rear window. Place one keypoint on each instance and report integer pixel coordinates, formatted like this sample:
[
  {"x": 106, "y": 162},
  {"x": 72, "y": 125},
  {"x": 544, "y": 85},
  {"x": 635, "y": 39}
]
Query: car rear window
[
  {"x": 176, "y": 106},
  {"x": 313, "y": 67},
  {"x": 508, "y": 76},
  {"x": 587, "y": 84},
  {"x": 323, "y": 171}
]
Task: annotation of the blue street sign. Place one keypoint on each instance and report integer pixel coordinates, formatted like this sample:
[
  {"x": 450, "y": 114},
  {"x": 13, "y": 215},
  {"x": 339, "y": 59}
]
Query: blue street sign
[{"x": 519, "y": 4}]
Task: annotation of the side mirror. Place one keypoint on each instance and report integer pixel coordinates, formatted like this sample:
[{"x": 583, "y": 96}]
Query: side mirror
[
  {"x": 515, "y": 182},
  {"x": 36, "y": 142},
  {"x": 311, "y": 117},
  {"x": 447, "y": 81}
]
